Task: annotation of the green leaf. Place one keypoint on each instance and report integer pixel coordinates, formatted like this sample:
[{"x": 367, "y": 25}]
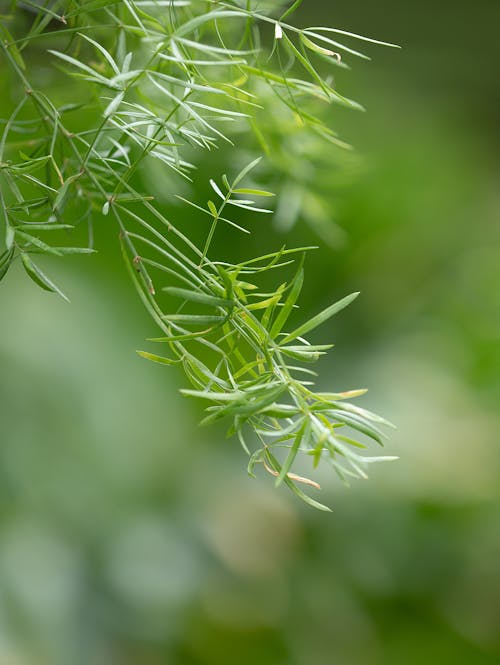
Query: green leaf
[
  {"x": 63, "y": 191},
  {"x": 264, "y": 304},
  {"x": 39, "y": 277},
  {"x": 247, "y": 407},
  {"x": 216, "y": 189},
  {"x": 256, "y": 458},
  {"x": 30, "y": 165},
  {"x": 293, "y": 294},
  {"x": 198, "y": 296},
  {"x": 358, "y": 424},
  {"x": 157, "y": 359},
  {"x": 320, "y": 318},
  {"x": 43, "y": 227},
  {"x": 202, "y": 371},
  {"x": 213, "y": 209},
  {"x": 291, "y": 9},
  {"x": 33, "y": 240},
  {"x": 206, "y": 17},
  {"x": 348, "y": 394},
  {"x": 287, "y": 464},
  {"x": 305, "y": 353},
  {"x": 113, "y": 105},
  {"x": 11, "y": 46},
  {"x": 354, "y": 35},
  {"x": 214, "y": 396},
  {"x": 5, "y": 261},
  {"x": 103, "y": 51},
  {"x": 315, "y": 47},
  {"x": 227, "y": 281},
  {"x": 184, "y": 337},
  {"x": 305, "y": 62},
  {"x": 364, "y": 414},
  {"x": 80, "y": 65},
  {"x": 9, "y": 234},
  {"x": 266, "y": 317},
  {"x": 281, "y": 410},
  {"x": 351, "y": 442},
  {"x": 76, "y": 250},
  {"x": 193, "y": 319},
  {"x": 334, "y": 43},
  {"x": 298, "y": 492},
  {"x": 246, "y": 171},
  {"x": 254, "y": 192}
]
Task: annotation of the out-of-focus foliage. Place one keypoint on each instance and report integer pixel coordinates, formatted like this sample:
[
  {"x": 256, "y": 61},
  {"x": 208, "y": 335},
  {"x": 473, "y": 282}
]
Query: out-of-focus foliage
[{"x": 129, "y": 535}]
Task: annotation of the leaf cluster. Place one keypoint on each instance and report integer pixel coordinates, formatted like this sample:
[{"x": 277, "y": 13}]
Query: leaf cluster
[{"x": 162, "y": 81}]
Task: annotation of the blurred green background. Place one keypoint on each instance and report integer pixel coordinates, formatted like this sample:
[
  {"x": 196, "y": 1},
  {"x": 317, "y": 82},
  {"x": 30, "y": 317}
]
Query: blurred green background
[{"x": 130, "y": 536}]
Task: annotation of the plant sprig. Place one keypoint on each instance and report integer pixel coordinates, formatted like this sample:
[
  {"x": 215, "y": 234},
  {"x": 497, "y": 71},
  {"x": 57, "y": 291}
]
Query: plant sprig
[{"x": 164, "y": 82}]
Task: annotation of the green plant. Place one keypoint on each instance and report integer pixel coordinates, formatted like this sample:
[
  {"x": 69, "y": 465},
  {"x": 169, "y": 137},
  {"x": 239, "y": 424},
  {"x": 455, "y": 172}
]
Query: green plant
[{"x": 158, "y": 82}]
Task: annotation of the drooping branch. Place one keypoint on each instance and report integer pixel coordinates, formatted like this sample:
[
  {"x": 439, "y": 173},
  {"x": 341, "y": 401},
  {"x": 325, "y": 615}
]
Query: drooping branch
[{"x": 179, "y": 80}]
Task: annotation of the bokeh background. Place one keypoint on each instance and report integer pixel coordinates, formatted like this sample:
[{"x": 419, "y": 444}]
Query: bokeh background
[{"x": 128, "y": 535}]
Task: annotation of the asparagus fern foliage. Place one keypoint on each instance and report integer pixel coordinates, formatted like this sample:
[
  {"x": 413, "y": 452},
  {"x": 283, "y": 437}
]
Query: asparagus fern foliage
[{"x": 160, "y": 83}]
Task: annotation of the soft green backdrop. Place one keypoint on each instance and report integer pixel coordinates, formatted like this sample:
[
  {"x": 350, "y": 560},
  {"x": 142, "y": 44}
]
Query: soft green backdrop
[{"x": 129, "y": 536}]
